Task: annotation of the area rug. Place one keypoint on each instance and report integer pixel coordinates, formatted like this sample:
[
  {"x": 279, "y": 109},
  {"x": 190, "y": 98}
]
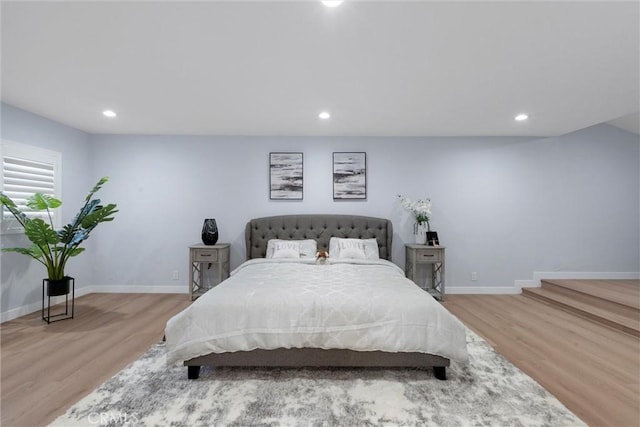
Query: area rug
[{"x": 489, "y": 391}]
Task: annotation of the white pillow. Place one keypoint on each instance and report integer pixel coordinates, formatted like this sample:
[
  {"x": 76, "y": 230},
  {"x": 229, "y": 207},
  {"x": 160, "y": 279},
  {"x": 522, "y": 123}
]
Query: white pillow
[
  {"x": 353, "y": 248},
  {"x": 306, "y": 248},
  {"x": 286, "y": 249}
]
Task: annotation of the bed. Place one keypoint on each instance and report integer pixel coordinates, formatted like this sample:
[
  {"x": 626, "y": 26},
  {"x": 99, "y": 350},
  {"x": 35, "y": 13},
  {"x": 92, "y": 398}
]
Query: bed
[{"x": 279, "y": 310}]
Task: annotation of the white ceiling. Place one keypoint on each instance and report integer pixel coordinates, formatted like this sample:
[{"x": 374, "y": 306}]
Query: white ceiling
[{"x": 416, "y": 68}]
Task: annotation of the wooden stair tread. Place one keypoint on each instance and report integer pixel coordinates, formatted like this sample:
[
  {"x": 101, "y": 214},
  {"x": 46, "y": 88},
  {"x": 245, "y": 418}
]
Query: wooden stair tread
[
  {"x": 625, "y": 292},
  {"x": 628, "y": 322}
]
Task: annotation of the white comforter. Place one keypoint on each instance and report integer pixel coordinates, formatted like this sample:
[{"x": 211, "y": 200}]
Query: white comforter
[{"x": 358, "y": 305}]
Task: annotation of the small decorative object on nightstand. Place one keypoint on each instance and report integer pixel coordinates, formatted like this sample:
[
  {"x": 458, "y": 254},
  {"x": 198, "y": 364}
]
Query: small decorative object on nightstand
[
  {"x": 207, "y": 255},
  {"x": 209, "y": 232},
  {"x": 432, "y": 238},
  {"x": 432, "y": 256}
]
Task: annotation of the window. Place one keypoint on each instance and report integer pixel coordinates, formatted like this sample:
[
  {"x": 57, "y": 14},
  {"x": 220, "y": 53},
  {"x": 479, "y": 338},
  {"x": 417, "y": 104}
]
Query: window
[{"x": 27, "y": 170}]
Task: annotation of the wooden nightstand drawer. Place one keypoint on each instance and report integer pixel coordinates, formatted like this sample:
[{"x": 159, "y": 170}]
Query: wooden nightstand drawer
[
  {"x": 210, "y": 255},
  {"x": 428, "y": 255}
]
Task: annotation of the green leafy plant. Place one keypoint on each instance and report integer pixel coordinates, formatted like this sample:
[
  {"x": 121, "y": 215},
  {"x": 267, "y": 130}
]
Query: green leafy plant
[{"x": 50, "y": 247}]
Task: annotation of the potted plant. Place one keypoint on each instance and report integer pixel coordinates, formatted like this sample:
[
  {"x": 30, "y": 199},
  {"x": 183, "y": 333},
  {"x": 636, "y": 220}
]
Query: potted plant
[{"x": 53, "y": 248}]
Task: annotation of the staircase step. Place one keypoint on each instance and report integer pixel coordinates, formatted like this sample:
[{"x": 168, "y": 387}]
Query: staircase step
[
  {"x": 621, "y": 317},
  {"x": 624, "y": 292},
  {"x": 591, "y": 295}
]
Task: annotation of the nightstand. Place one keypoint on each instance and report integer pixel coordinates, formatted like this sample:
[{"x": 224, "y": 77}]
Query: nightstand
[
  {"x": 431, "y": 256},
  {"x": 203, "y": 256}
]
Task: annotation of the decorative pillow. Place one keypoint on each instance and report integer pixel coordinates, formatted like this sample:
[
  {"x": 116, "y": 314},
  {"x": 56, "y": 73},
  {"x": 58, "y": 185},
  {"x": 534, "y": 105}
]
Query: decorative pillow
[
  {"x": 286, "y": 249},
  {"x": 306, "y": 248},
  {"x": 353, "y": 248}
]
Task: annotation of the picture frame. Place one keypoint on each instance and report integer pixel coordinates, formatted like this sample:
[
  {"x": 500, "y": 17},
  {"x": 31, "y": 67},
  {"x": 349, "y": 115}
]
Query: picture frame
[
  {"x": 349, "y": 176},
  {"x": 432, "y": 238},
  {"x": 286, "y": 175}
]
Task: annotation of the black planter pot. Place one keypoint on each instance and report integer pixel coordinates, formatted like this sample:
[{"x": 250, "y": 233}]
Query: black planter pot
[
  {"x": 55, "y": 288},
  {"x": 58, "y": 287},
  {"x": 209, "y": 232}
]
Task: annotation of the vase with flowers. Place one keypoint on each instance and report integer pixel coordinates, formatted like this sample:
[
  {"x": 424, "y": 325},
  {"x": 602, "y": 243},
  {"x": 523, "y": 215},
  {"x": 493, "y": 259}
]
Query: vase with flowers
[{"x": 421, "y": 210}]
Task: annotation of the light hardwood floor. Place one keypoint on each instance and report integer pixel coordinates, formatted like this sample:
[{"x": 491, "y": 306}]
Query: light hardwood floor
[
  {"x": 47, "y": 368},
  {"x": 592, "y": 369}
]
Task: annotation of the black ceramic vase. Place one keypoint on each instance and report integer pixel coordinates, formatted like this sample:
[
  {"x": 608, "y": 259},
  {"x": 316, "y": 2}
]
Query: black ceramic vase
[{"x": 209, "y": 232}]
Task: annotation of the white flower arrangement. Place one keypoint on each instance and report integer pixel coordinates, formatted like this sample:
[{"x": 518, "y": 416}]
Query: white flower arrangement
[{"x": 421, "y": 209}]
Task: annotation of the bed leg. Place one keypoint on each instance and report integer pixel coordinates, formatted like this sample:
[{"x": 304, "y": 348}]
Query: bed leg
[
  {"x": 193, "y": 372},
  {"x": 440, "y": 372}
]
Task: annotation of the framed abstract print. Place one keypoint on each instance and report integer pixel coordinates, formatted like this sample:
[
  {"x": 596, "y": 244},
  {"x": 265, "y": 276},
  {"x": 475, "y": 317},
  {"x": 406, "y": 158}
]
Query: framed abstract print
[
  {"x": 349, "y": 176},
  {"x": 285, "y": 176}
]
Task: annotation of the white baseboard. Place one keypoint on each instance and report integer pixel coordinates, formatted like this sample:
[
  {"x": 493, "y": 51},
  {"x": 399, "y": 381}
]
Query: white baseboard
[
  {"x": 538, "y": 276},
  {"x": 37, "y": 306},
  {"x": 526, "y": 284},
  {"x": 489, "y": 290}
]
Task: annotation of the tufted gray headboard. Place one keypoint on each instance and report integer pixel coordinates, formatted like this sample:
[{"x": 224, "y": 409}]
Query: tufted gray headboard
[{"x": 319, "y": 227}]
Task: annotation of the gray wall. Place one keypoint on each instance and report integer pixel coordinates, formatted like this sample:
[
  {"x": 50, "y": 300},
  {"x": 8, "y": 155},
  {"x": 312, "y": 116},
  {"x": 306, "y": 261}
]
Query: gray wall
[
  {"x": 504, "y": 207},
  {"x": 22, "y": 277}
]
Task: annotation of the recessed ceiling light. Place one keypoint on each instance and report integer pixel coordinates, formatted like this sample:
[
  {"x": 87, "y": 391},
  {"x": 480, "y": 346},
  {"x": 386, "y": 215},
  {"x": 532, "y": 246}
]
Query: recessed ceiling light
[
  {"x": 521, "y": 117},
  {"x": 332, "y": 3},
  {"x": 324, "y": 115},
  {"x": 109, "y": 113}
]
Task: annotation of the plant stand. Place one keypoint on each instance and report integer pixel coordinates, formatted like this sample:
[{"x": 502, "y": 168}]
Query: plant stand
[{"x": 47, "y": 291}]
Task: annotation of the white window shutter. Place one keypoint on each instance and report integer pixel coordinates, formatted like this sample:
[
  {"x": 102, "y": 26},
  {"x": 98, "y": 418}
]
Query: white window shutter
[{"x": 28, "y": 170}]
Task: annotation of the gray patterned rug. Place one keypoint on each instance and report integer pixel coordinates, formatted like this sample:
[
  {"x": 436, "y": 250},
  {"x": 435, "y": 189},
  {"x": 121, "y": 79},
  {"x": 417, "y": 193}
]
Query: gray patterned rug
[{"x": 490, "y": 391}]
